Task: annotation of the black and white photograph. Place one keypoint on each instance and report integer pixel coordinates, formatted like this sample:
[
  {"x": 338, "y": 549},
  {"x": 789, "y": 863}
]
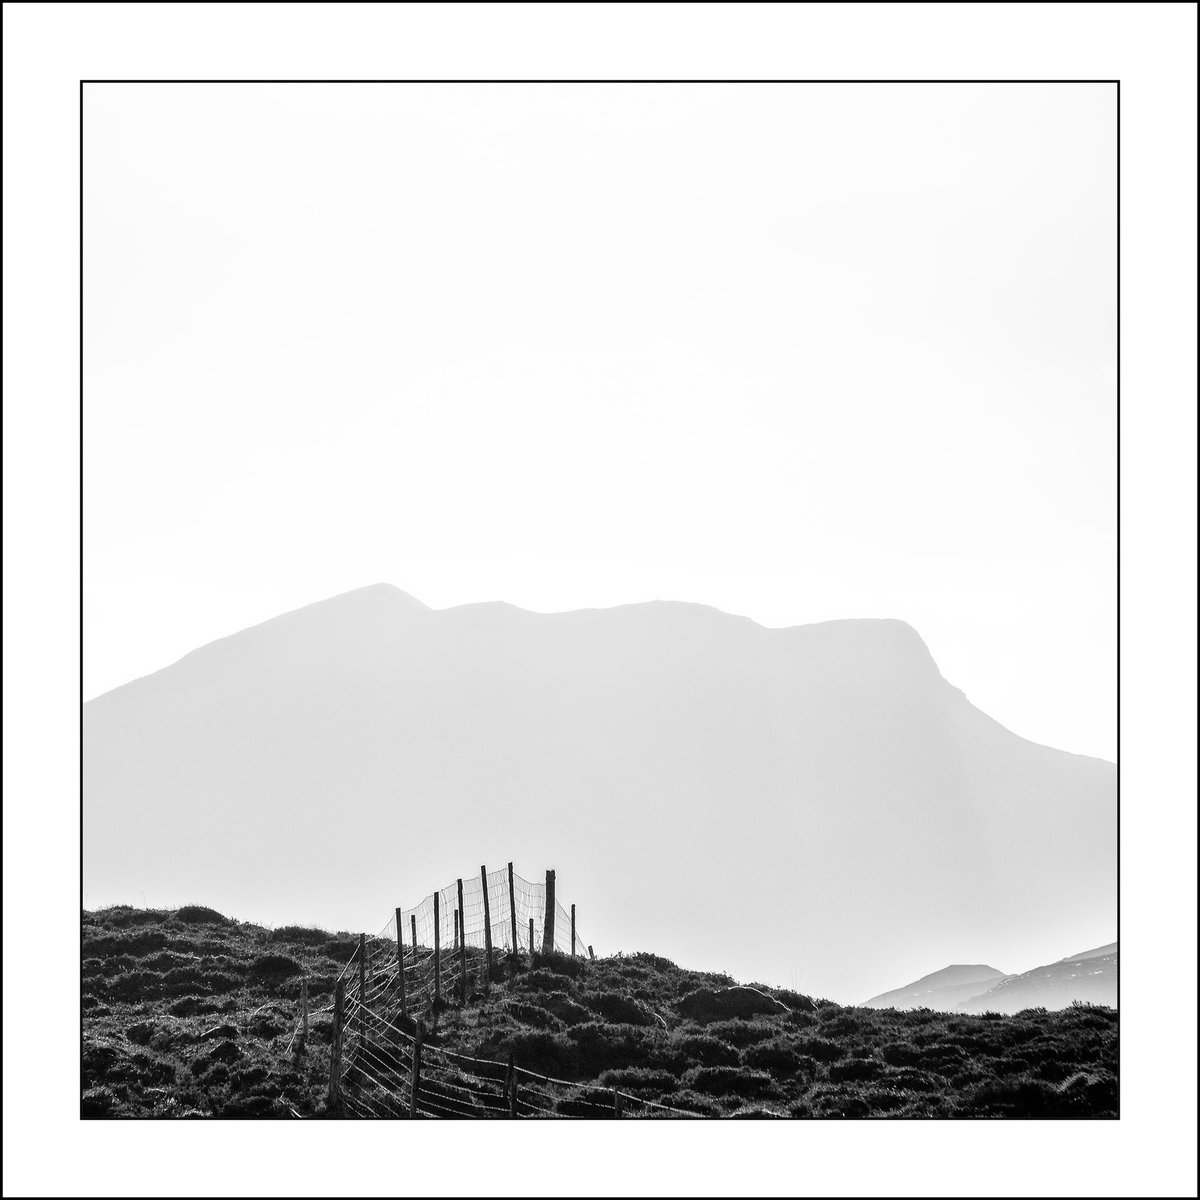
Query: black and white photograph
[{"x": 600, "y": 598}]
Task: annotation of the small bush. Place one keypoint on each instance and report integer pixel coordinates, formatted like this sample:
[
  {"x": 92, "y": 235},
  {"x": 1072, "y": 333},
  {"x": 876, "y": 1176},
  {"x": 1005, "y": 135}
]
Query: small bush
[
  {"x": 251, "y": 1108},
  {"x": 691, "y": 1101},
  {"x": 564, "y": 1008},
  {"x": 273, "y": 968},
  {"x": 559, "y": 964},
  {"x": 197, "y": 914},
  {"x": 603, "y": 1047},
  {"x": 98, "y": 1102},
  {"x": 224, "y": 1052},
  {"x": 733, "y": 1081},
  {"x": 219, "y": 1032},
  {"x": 795, "y": 1001},
  {"x": 822, "y": 1049},
  {"x": 778, "y": 1056},
  {"x": 705, "y": 1049},
  {"x": 704, "y": 1004},
  {"x": 902, "y": 1054},
  {"x": 639, "y": 1079},
  {"x": 298, "y": 935},
  {"x": 1019, "y": 1097},
  {"x": 532, "y": 1014},
  {"x": 854, "y": 1070},
  {"x": 120, "y": 916},
  {"x": 741, "y": 1033},
  {"x": 191, "y": 1006},
  {"x": 543, "y": 1052},
  {"x": 619, "y": 1009}
]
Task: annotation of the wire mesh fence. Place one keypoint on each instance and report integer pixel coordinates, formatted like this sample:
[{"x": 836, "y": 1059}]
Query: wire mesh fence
[
  {"x": 424, "y": 957},
  {"x": 392, "y": 1073}
]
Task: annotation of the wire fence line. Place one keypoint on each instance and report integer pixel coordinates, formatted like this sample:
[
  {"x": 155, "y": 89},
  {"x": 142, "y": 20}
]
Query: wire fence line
[
  {"x": 390, "y": 992},
  {"x": 379, "y": 1069}
]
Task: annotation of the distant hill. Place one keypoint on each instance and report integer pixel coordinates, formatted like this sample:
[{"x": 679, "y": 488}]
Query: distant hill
[
  {"x": 811, "y": 803},
  {"x": 943, "y": 990},
  {"x": 1090, "y": 977}
]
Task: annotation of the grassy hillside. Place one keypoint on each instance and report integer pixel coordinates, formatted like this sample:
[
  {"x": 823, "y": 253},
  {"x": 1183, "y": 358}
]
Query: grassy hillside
[{"x": 188, "y": 1013}]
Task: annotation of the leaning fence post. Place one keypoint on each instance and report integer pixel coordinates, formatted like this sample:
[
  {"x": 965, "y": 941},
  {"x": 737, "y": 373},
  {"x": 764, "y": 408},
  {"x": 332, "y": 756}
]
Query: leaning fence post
[
  {"x": 512, "y": 910},
  {"x": 362, "y": 986},
  {"x": 591, "y": 954},
  {"x": 548, "y": 919},
  {"x": 412, "y": 924},
  {"x": 572, "y": 931},
  {"x": 437, "y": 948},
  {"x": 335, "y": 1052},
  {"x": 462, "y": 947},
  {"x": 303, "y": 1047},
  {"x": 400, "y": 962},
  {"x": 416, "y": 1072},
  {"x": 487, "y": 922}
]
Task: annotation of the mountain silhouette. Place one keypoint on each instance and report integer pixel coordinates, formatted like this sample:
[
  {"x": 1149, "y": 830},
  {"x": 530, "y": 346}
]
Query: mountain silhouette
[
  {"x": 812, "y": 804},
  {"x": 944, "y": 990},
  {"x": 1090, "y": 977}
]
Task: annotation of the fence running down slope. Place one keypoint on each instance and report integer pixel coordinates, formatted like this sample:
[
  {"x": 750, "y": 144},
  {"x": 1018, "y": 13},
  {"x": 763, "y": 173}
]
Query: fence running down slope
[{"x": 383, "y": 1064}]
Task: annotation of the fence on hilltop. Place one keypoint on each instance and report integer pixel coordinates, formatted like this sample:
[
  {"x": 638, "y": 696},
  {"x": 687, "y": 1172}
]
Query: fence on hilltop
[{"x": 385, "y": 1061}]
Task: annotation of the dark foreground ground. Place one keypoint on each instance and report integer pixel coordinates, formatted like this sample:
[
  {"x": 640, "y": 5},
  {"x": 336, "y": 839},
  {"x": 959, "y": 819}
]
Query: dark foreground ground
[{"x": 190, "y": 1014}]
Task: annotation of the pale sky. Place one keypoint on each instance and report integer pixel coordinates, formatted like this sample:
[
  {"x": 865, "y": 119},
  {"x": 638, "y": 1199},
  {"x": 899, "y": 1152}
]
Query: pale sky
[{"x": 799, "y": 352}]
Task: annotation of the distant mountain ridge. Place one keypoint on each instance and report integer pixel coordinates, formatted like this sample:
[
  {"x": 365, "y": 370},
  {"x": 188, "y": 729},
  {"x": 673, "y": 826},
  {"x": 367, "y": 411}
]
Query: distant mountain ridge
[
  {"x": 942, "y": 990},
  {"x": 1089, "y": 977},
  {"x": 763, "y": 800}
]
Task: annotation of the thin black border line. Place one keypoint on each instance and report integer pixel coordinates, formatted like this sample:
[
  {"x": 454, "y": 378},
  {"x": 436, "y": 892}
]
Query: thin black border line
[
  {"x": 711, "y": 82},
  {"x": 1120, "y": 1072},
  {"x": 81, "y": 697},
  {"x": 790, "y": 82}
]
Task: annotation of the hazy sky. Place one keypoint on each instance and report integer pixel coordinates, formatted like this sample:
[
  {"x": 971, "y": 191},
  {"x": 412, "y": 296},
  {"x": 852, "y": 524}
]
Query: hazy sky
[{"x": 799, "y": 352}]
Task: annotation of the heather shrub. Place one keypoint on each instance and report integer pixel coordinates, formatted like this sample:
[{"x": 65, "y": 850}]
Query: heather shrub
[
  {"x": 273, "y": 968},
  {"x": 741, "y": 1033},
  {"x": 779, "y": 1057},
  {"x": 602, "y": 1047},
  {"x": 822, "y": 1049},
  {"x": 854, "y": 1070},
  {"x": 732, "y": 1081},
  {"x": 197, "y": 914},
  {"x": 619, "y": 1009},
  {"x": 705, "y": 1049}
]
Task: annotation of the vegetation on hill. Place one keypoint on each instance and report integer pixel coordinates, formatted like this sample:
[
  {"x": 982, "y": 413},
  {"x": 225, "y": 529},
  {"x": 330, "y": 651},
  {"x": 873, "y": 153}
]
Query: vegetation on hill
[{"x": 189, "y": 1013}]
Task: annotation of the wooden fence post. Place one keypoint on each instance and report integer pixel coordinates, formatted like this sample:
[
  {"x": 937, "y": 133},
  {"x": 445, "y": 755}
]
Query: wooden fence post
[
  {"x": 335, "y": 1052},
  {"x": 437, "y": 948},
  {"x": 412, "y": 919},
  {"x": 462, "y": 948},
  {"x": 572, "y": 931},
  {"x": 416, "y": 1072},
  {"x": 362, "y": 986},
  {"x": 591, "y": 954},
  {"x": 531, "y": 941},
  {"x": 303, "y": 1047},
  {"x": 487, "y": 922},
  {"x": 548, "y": 919},
  {"x": 512, "y": 910},
  {"x": 400, "y": 962},
  {"x": 617, "y": 1105},
  {"x": 456, "y": 931},
  {"x": 510, "y": 1087}
]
